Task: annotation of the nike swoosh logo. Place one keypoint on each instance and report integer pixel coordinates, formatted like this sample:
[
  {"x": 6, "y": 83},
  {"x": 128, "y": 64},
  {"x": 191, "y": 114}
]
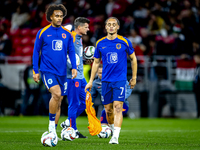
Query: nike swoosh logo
[
  {"x": 49, "y": 35},
  {"x": 120, "y": 96},
  {"x": 103, "y": 47}
]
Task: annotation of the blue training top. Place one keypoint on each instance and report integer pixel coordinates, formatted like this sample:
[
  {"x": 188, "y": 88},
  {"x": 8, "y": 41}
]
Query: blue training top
[
  {"x": 114, "y": 57},
  {"x": 78, "y": 45},
  {"x": 54, "y": 44}
]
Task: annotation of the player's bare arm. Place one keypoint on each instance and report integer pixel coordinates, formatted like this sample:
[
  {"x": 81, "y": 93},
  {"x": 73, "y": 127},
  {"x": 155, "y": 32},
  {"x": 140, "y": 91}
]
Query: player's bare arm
[
  {"x": 95, "y": 67},
  {"x": 133, "y": 59},
  {"x": 74, "y": 73},
  {"x": 36, "y": 77}
]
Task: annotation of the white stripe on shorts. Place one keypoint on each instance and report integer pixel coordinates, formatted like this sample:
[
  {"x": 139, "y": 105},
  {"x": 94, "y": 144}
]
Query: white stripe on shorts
[{"x": 45, "y": 81}]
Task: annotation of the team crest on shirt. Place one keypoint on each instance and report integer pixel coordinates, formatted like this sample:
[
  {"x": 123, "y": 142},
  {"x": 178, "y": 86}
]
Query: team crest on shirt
[
  {"x": 118, "y": 46},
  {"x": 50, "y": 81},
  {"x": 76, "y": 84},
  {"x": 64, "y": 36}
]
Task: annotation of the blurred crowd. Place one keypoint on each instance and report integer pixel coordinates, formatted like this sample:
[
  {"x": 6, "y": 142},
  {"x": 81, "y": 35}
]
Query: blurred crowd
[{"x": 155, "y": 27}]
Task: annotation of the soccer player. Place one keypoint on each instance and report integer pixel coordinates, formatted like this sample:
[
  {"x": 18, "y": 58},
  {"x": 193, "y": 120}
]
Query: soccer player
[
  {"x": 96, "y": 88},
  {"x": 75, "y": 91},
  {"x": 113, "y": 50},
  {"x": 54, "y": 42}
]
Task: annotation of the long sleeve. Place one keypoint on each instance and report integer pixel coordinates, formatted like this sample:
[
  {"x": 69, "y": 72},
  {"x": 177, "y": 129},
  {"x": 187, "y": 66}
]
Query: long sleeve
[
  {"x": 71, "y": 51},
  {"x": 36, "y": 52}
]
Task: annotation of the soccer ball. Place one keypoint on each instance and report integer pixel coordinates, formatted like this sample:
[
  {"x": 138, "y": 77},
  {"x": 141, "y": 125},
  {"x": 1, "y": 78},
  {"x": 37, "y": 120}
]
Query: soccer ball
[
  {"x": 69, "y": 62},
  {"x": 49, "y": 139},
  {"x": 105, "y": 133},
  {"x": 68, "y": 134},
  {"x": 88, "y": 52}
]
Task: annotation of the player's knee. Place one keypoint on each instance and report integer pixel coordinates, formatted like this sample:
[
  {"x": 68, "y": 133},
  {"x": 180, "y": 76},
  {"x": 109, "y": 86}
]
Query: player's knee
[
  {"x": 109, "y": 112},
  {"x": 56, "y": 95},
  {"x": 118, "y": 108}
]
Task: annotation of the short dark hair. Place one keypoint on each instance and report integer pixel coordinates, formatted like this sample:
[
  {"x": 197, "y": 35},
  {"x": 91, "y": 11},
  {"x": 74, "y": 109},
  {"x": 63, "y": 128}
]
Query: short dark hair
[
  {"x": 112, "y": 18},
  {"x": 53, "y": 7},
  {"x": 100, "y": 66},
  {"x": 80, "y": 21}
]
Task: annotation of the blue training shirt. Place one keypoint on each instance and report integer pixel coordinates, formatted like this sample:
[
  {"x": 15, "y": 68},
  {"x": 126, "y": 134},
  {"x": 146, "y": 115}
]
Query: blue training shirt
[
  {"x": 114, "y": 57},
  {"x": 54, "y": 44},
  {"x": 78, "y": 45}
]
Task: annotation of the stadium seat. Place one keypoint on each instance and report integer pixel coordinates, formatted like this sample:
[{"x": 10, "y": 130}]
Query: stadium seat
[
  {"x": 14, "y": 33},
  {"x": 33, "y": 41},
  {"x": 16, "y": 42},
  {"x": 27, "y": 51},
  {"x": 26, "y": 41},
  {"x": 34, "y": 32},
  {"x": 17, "y": 51},
  {"x": 25, "y": 32}
]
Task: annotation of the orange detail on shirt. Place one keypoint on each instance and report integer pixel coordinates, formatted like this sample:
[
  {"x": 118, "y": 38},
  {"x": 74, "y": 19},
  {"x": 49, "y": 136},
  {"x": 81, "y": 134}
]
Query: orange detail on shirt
[
  {"x": 94, "y": 124},
  {"x": 44, "y": 29},
  {"x": 77, "y": 84},
  {"x": 101, "y": 119},
  {"x": 123, "y": 39},
  {"x": 100, "y": 40},
  {"x": 64, "y": 36},
  {"x": 33, "y": 72},
  {"x": 123, "y": 109},
  {"x": 74, "y": 35},
  {"x": 66, "y": 29}
]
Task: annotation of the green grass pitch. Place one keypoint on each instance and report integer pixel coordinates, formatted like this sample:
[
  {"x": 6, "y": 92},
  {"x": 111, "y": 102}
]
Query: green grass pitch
[{"x": 24, "y": 133}]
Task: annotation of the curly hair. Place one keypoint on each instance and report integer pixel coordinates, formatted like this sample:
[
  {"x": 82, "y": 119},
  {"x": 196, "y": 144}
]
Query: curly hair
[{"x": 53, "y": 7}]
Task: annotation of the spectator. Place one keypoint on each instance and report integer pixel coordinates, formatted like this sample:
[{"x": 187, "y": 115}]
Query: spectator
[
  {"x": 134, "y": 37},
  {"x": 20, "y": 18},
  {"x": 109, "y": 7},
  {"x": 196, "y": 86},
  {"x": 37, "y": 13},
  {"x": 5, "y": 44},
  {"x": 31, "y": 95},
  {"x": 128, "y": 25}
]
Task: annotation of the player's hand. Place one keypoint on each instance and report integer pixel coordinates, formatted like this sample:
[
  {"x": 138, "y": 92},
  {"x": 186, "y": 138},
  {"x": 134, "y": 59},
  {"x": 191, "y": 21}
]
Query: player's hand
[
  {"x": 74, "y": 73},
  {"x": 36, "y": 77},
  {"x": 132, "y": 83},
  {"x": 88, "y": 86}
]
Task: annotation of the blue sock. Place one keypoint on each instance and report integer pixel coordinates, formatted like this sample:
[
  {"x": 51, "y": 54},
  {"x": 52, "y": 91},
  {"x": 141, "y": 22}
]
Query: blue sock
[
  {"x": 52, "y": 117},
  {"x": 56, "y": 125}
]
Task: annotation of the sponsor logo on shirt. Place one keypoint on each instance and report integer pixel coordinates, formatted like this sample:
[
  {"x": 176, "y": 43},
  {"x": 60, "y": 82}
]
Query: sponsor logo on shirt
[
  {"x": 112, "y": 57},
  {"x": 57, "y": 45}
]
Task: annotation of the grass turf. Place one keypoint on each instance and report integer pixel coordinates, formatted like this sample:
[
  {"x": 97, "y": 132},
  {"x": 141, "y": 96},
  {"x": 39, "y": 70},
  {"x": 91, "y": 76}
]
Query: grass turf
[{"x": 21, "y": 133}]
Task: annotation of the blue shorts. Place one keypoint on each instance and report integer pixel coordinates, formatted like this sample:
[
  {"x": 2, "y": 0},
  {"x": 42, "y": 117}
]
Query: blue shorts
[
  {"x": 113, "y": 91},
  {"x": 51, "y": 80}
]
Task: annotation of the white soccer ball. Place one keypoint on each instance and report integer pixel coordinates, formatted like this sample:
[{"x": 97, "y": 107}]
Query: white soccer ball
[
  {"x": 68, "y": 134},
  {"x": 105, "y": 133},
  {"x": 88, "y": 52},
  {"x": 49, "y": 139},
  {"x": 69, "y": 62}
]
